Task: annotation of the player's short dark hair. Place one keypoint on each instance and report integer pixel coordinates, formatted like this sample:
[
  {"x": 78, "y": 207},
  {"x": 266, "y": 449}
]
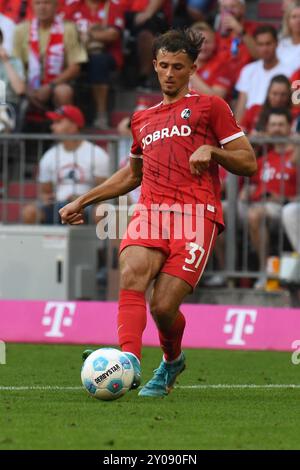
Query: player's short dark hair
[
  {"x": 281, "y": 112},
  {"x": 187, "y": 40},
  {"x": 266, "y": 29},
  {"x": 1, "y": 36}
]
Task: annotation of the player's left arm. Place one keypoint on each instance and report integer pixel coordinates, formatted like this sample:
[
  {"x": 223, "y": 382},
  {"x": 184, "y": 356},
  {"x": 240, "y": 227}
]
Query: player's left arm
[{"x": 237, "y": 156}]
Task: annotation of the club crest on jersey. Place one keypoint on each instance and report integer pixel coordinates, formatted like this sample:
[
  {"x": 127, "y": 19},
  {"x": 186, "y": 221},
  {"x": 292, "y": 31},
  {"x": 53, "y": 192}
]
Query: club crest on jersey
[{"x": 186, "y": 113}]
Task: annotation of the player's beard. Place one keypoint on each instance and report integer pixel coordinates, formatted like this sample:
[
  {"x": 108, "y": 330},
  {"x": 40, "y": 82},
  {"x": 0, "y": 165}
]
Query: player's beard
[{"x": 171, "y": 93}]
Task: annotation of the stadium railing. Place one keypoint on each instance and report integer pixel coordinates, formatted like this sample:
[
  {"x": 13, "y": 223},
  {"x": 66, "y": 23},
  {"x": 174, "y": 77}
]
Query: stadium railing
[{"x": 21, "y": 153}]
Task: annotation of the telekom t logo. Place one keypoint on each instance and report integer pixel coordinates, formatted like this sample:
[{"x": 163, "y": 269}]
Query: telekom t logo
[
  {"x": 62, "y": 316},
  {"x": 240, "y": 326}
]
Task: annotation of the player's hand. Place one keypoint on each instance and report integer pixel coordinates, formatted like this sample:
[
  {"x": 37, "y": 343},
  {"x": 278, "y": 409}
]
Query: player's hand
[
  {"x": 72, "y": 213},
  {"x": 200, "y": 159},
  {"x": 231, "y": 23}
]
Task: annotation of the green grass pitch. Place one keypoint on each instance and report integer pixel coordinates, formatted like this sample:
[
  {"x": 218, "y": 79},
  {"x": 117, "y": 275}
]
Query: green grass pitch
[{"x": 196, "y": 415}]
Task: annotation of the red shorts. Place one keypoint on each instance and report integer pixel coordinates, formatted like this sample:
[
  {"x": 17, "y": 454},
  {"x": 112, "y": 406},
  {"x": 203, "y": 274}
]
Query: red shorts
[{"x": 187, "y": 241}]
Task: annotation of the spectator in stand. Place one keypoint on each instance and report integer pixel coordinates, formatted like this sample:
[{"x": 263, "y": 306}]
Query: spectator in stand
[
  {"x": 68, "y": 169},
  {"x": 145, "y": 19},
  {"x": 100, "y": 23},
  {"x": 291, "y": 211},
  {"x": 288, "y": 50},
  {"x": 235, "y": 35},
  {"x": 274, "y": 184},
  {"x": 14, "y": 9},
  {"x": 12, "y": 74},
  {"x": 285, "y": 5},
  {"x": 213, "y": 75},
  {"x": 186, "y": 12},
  {"x": 295, "y": 81},
  {"x": 125, "y": 142},
  {"x": 295, "y": 76},
  {"x": 255, "y": 78},
  {"x": 278, "y": 96},
  {"x": 7, "y": 27},
  {"x": 51, "y": 53},
  {"x": 291, "y": 223}
]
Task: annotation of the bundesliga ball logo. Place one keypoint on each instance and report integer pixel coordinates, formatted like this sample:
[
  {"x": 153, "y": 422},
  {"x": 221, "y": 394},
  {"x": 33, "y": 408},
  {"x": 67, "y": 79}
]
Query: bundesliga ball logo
[{"x": 186, "y": 113}]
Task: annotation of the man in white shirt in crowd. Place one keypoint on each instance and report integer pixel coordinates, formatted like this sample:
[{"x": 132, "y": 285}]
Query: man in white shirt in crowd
[
  {"x": 66, "y": 170},
  {"x": 7, "y": 27},
  {"x": 255, "y": 77}
]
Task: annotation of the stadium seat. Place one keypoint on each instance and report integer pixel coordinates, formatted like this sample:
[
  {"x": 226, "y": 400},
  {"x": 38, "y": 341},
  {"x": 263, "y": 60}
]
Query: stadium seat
[
  {"x": 269, "y": 10},
  {"x": 10, "y": 212},
  {"x": 117, "y": 116}
]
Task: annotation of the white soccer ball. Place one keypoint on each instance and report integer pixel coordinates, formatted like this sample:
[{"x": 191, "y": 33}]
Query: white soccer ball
[{"x": 107, "y": 374}]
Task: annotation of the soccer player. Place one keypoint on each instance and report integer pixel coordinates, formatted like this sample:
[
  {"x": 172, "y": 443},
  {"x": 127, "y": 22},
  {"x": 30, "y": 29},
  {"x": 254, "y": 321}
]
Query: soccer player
[{"x": 175, "y": 153}]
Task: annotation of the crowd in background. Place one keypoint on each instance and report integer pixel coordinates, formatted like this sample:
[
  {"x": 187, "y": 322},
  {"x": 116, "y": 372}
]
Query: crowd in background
[{"x": 49, "y": 48}]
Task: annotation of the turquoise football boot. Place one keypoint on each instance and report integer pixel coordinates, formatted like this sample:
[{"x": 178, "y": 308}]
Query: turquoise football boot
[
  {"x": 86, "y": 353},
  {"x": 163, "y": 379},
  {"x": 137, "y": 370}
]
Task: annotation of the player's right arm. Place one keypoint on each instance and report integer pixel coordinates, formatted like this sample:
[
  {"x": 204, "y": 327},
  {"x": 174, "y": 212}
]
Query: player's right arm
[{"x": 123, "y": 181}]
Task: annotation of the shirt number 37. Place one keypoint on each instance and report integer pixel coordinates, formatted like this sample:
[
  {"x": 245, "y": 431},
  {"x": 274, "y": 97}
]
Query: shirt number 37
[{"x": 196, "y": 253}]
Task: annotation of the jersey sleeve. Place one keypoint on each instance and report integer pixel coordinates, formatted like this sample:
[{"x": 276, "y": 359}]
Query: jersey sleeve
[
  {"x": 223, "y": 122},
  {"x": 136, "y": 149}
]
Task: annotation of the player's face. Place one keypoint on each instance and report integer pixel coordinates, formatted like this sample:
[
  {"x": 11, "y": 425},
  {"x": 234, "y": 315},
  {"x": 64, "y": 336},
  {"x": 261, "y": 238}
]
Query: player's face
[
  {"x": 174, "y": 70},
  {"x": 278, "y": 126}
]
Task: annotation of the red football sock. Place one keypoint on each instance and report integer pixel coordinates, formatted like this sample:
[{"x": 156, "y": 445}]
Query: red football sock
[
  {"x": 132, "y": 320},
  {"x": 170, "y": 340}
]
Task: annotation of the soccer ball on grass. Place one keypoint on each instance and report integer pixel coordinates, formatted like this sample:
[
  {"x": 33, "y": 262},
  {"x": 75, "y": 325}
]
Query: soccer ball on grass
[{"x": 107, "y": 374}]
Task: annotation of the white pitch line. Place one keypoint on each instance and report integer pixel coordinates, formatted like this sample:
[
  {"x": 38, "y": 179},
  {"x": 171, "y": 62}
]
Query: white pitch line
[
  {"x": 53, "y": 388},
  {"x": 231, "y": 386}
]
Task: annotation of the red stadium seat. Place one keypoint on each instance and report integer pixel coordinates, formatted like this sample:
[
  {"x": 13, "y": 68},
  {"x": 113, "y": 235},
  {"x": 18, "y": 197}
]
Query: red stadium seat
[
  {"x": 270, "y": 10},
  {"x": 10, "y": 212}
]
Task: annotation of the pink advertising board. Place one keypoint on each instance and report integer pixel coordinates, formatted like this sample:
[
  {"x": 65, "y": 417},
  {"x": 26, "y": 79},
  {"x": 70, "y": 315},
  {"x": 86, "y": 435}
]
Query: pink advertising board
[{"x": 208, "y": 326}]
